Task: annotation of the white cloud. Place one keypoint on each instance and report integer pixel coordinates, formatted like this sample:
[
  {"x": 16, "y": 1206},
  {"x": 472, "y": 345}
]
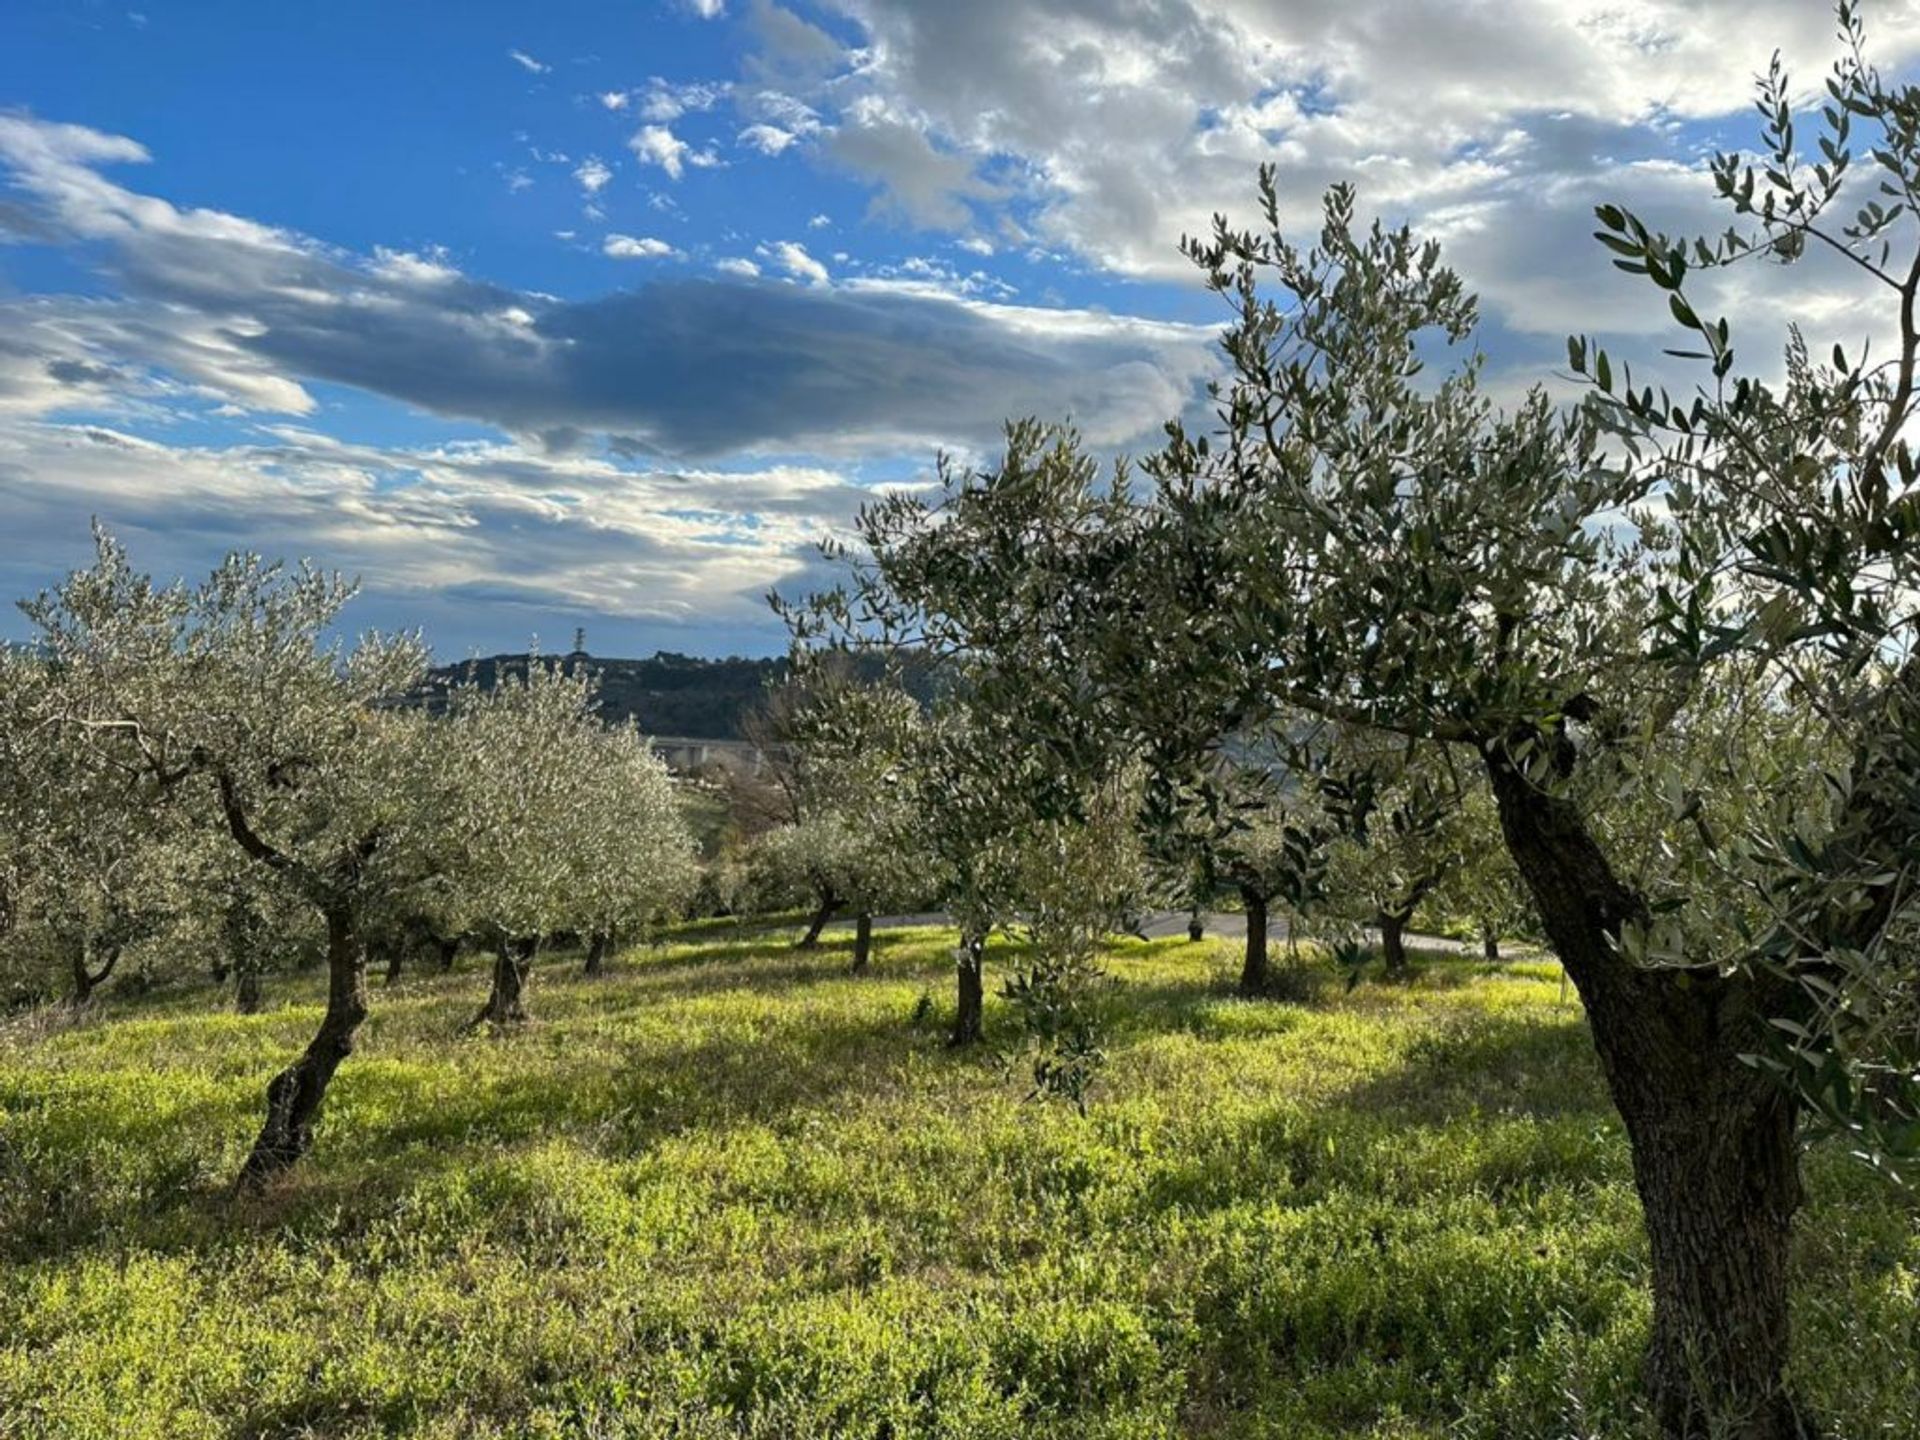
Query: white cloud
[
  {"x": 195, "y": 309},
  {"x": 665, "y": 101},
  {"x": 794, "y": 259},
  {"x": 628, "y": 247},
  {"x": 614, "y": 99},
  {"x": 819, "y": 222},
  {"x": 527, "y": 62},
  {"x": 707, "y": 9},
  {"x": 767, "y": 139},
  {"x": 469, "y": 538},
  {"x": 1113, "y": 127},
  {"x": 737, "y": 265},
  {"x": 593, "y": 175},
  {"x": 658, "y": 145}
]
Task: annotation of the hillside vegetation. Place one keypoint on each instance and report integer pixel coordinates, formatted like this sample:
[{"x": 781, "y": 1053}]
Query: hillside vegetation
[{"x": 730, "y": 1190}]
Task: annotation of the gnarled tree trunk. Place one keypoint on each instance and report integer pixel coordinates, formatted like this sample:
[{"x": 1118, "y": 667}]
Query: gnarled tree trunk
[
  {"x": 449, "y": 950},
  {"x": 1254, "y": 975},
  {"x": 86, "y": 979},
  {"x": 512, "y": 960},
  {"x": 1196, "y": 928},
  {"x": 1714, "y": 1154},
  {"x": 969, "y": 1018},
  {"x": 862, "y": 941},
  {"x": 396, "y": 960},
  {"x": 295, "y": 1094},
  {"x": 829, "y": 903},
  {"x": 1489, "y": 945}
]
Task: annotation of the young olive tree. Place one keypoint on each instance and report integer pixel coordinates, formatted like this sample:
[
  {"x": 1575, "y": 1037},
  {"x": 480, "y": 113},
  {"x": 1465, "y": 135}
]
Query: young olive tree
[
  {"x": 229, "y": 695},
  {"x": 979, "y": 580},
  {"x": 1412, "y": 843}
]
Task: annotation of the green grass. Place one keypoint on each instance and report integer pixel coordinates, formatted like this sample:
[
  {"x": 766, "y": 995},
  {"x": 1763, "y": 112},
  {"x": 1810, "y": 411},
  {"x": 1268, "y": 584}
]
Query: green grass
[{"x": 731, "y": 1190}]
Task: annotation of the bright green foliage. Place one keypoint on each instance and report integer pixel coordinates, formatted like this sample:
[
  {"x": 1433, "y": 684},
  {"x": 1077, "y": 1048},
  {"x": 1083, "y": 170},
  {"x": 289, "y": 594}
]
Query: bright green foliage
[{"x": 731, "y": 1191}]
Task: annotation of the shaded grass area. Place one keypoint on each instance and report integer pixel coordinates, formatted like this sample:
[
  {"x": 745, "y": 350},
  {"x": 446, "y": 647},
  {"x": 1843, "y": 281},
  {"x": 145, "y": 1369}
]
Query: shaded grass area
[{"x": 731, "y": 1190}]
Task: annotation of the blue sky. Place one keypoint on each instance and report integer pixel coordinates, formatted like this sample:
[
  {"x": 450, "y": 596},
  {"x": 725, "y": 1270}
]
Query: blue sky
[{"x": 606, "y": 313}]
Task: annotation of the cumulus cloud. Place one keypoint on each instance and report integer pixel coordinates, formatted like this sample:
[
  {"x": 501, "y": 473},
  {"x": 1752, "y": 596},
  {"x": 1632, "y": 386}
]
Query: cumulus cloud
[
  {"x": 767, "y": 139},
  {"x": 794, "y": 259},
  {"x": 592, "y": 175},
  {"x": 1109, "y": 128},
  {"x": 629, "y": 247},
  {"x": 737, "y": 265},
  {"x": 658, "y": 145},
  {"x": 206, "y": 307}
]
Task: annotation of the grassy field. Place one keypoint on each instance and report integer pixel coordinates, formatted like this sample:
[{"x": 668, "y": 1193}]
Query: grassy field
[{"x": 730, "y": 1190}]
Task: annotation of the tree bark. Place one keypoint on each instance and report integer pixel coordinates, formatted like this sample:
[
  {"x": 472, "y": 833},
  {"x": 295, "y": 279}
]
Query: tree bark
[
  {"x": 295, "y": 1094},
  {"x": 969, "y": 1019},
  {"x": 246, "y": 988},
  {"x": 1712, "y": 1138},
  {"x": 1196, "y": 928},
  {"x": 1393, "y": 942},
  {"x": 512, "y": 959},
  {"x": 396, "y": 961},
  {"x": 449, "y": 949},
  {"x": 828, "y": 904},
  {"x": 1489, "y": 945},
  {"x": 598, "y": 944},
  {"x": 1254, "y": 976},
  {"x": 85, "y": 978},
  {"x": 863, "y": 942}
]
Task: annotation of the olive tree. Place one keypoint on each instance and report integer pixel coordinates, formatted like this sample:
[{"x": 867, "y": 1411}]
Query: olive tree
[
  {"x": 93, "y": 848},
  {"x": 1575, "y": 597},
  {"x": 633, "y": 857},
  {"x": 979, "y": 579},
  {"x": 557, "y": 825},
  {"x": 230, "y": 695}
]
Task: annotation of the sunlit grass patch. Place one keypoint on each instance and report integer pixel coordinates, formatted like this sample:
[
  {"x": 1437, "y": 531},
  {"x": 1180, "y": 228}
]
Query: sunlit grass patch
[{"x": 730, "y": 1189}]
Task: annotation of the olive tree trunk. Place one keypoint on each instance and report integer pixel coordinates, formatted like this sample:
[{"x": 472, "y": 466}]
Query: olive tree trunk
[
  {"x": 1713, "y": 1138},
  {"x": 246, "y": 988},
  {"x": 863, "y": 942},
  {"x": 87, "y": 979},
  {"x": 828, "y": 904},
  {"x": 396, "y": 961},
  {"x": 449, "y": 949},
  {"x": 1489, "y": 945},
  {"x": 969, "y": 1017},
  {"x": 1254, "y": 975},
  {"x": 599, "y": 944},
  {"x": 506, "y": 1006},
  {"x": 1196, "y": 928},
  {"x": 295, "y": 1094},
  {"x": 1393, "y": 941}
]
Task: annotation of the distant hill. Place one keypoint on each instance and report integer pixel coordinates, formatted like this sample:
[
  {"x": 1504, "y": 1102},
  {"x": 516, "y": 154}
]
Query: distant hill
[{"x": 668, "y": 694}]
